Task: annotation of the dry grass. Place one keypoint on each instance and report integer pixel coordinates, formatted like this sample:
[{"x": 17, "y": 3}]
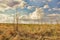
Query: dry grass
[{"x": 30, "y": 32}]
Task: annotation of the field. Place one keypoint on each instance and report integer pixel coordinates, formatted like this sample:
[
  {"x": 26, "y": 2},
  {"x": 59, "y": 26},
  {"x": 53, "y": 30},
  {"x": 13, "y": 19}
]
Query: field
[{"x": 30, "y": 32}]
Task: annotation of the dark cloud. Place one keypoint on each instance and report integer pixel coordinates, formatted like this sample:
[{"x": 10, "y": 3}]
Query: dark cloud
[{"x": 11, "y": 4}]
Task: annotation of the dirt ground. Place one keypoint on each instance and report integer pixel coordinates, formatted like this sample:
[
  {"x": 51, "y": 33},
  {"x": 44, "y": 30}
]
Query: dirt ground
[{"x": 30, "y": 32}]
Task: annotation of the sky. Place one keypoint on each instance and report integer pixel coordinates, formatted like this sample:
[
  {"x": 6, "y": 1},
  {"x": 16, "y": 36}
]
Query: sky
[{"x": 29, "y": 9}]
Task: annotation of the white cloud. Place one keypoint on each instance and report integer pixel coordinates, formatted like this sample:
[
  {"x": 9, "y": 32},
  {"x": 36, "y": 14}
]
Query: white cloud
[
  {"x": 5, "y": 18},
  {"x": 49, "y": 0},
  {"x": 58, "y": 3},
  {"x": 54, "y": 18},
  {"x": 37, "y": 14},
  {"x": 3, "y": 7},
  {"x": 41, "y": 1},
  {"x": 30, "y": 7},
  {"x": 49, "y": 9},
  {"x": 56, "y": 8},
  {"x": 47, "y": 19},
  {"x": 46, "y": 6},
  {"x": 19, "y": 0},
  {"x": 53, "y": 15},
  {"x": 32, "y": 0},
  {"x": 23, "y": 4},
  {"x": 24, "y": 17}
]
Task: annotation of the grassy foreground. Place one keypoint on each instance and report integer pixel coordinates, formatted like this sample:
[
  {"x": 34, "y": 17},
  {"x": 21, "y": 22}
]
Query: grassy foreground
[{"x": 30, "y": 32}]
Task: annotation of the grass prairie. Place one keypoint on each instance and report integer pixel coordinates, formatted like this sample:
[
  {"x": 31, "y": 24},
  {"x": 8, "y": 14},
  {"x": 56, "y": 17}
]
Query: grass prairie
[{"x": 30, "y": 32}]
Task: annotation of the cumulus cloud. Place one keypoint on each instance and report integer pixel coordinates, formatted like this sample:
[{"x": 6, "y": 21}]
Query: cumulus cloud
[
  {"x": 47, "y": 19},
  {"x": 5, "y": 18},
  {"x": 46, "y": 6},
  {"x": 24, "y": 17},
  {"x": 23, "y": 4},
  {"x": 37, "y": 14},
  {"x": 30, "y": 7}
]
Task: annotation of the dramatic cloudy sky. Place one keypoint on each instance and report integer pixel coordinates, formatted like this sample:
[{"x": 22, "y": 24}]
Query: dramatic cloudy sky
[{"x": 29, "y": 9}]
